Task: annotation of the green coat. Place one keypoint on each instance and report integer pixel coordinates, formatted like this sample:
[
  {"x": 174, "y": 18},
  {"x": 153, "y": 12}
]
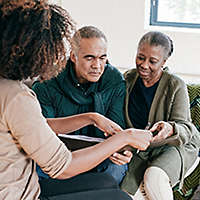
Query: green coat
[
  {"x": 64, "y": 96},
  {"x": 171, "y": 104}
]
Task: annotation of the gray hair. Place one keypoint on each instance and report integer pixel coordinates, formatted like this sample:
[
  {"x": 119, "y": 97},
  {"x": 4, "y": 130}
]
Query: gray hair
[
  {"x": 86, "y": 32},
  {"x": 155, "y": 38}
]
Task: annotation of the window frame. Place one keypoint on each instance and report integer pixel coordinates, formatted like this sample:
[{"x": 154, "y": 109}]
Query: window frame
[{"x": 154, "y": 18}]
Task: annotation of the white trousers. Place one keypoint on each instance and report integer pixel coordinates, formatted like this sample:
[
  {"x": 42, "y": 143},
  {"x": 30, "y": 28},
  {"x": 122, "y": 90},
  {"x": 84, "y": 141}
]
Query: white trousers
[{"x": 155, "y": 186}]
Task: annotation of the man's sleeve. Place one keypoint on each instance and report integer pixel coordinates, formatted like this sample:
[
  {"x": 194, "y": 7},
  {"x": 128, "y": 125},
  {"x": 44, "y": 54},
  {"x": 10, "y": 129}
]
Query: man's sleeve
[{"x": 44, "y": 98}]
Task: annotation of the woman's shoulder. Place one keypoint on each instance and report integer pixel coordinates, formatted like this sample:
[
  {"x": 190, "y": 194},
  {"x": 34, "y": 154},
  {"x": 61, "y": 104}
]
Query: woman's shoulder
[
  {"x": 173, "y": 79},
  {"x": 130, "y": 74},
  {"x": 11, "y": 88}
]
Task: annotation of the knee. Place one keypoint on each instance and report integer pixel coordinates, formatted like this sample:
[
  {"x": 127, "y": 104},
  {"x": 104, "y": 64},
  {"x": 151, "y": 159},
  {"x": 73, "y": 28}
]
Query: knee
[
  {"x": 157, "y": 184},
  {"x": 154, "y": 177}
]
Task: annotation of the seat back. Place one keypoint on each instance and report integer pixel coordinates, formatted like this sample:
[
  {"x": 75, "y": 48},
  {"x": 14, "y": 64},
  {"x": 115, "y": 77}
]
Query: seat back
[
  {"x": 191, "y": 182},
  {"x": 194, "y": 95}
]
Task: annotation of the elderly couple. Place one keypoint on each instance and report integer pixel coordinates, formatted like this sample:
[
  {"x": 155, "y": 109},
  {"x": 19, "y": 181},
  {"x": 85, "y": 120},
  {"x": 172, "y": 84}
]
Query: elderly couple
[{"x": 147, "y": 109}]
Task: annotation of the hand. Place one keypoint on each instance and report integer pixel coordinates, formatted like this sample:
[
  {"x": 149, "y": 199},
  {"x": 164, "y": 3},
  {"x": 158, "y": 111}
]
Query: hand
[
  {"x": 106, "y": 125},
  {"x": 121, "y": 159},
  {"x": 164, "y": 130},
  {"x": 139, "y": 139}
]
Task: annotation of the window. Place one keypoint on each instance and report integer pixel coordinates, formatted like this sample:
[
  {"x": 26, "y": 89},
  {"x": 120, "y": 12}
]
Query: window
[{"x": 179, "y": 13}]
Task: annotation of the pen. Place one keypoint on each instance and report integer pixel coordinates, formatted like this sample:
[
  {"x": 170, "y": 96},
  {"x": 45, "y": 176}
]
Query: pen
[{"x": 146, "y": 128}]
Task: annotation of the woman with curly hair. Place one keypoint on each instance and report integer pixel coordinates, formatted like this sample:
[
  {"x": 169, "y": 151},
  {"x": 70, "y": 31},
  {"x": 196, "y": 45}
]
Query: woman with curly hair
[{"x": 32, "y": 43}]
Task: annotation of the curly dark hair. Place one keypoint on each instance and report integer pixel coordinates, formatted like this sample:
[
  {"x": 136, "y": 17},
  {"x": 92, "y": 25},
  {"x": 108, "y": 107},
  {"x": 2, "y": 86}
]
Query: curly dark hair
[{"x": 32, "y": 39}]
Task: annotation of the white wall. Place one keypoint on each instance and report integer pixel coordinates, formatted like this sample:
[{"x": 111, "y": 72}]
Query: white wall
[{"x": 122, "y": 21}]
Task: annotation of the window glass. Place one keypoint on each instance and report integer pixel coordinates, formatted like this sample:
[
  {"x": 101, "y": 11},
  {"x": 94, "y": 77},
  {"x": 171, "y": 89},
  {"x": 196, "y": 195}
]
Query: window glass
[
  {"x": 184, "y": 11},
  {"x": 179, "y": 13}
]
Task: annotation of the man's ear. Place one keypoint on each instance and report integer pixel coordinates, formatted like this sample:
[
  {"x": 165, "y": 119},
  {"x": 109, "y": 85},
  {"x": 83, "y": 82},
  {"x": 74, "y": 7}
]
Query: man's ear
[{"x": 73, "y": 57}]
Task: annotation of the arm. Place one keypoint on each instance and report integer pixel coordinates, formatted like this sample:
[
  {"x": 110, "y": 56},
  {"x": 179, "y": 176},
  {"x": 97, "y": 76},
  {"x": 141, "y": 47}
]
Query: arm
[
  {"x": 103, "y": 150},
  {"x": 49, "y": 152},
  {"x": 75, "y": 122},
  {"x": 87, "y": 158},
  {"x": 177, "y": 128}
]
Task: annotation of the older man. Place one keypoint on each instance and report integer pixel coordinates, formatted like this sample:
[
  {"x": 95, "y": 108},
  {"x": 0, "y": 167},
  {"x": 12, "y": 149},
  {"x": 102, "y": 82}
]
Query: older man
[{"x": 88, "y": 84}]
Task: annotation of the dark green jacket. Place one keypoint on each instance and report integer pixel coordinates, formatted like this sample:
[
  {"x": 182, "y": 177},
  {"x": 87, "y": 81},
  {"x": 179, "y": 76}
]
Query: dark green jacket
[{"x": 64, "y": 96}]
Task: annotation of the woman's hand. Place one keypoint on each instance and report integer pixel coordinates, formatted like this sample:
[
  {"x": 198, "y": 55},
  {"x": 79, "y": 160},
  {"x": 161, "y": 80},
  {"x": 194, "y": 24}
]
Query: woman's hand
[
  {"x": 106, "y": 125},
  {"x": 138, "y": 138},
  {"x": 162, "y": 129},
  {"x": 121, "y": 158},
  {"x": 88, "y": 158}
]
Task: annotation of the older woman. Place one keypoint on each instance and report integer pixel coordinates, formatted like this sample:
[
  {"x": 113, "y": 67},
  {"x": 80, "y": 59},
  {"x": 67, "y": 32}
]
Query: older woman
[{"x": 158, "y": 100}]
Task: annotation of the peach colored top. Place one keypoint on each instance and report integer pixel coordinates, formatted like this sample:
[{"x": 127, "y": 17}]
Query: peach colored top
[{"x": 26, "y": 138}]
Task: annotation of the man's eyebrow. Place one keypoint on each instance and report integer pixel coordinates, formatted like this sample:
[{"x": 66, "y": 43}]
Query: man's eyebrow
[
  {"x": 104, "y": 55},
  {"x": 86, "y": 56},
  {"x": 92, "y": 56}
]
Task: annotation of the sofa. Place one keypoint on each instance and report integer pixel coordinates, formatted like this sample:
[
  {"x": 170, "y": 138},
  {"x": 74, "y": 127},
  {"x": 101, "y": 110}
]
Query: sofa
[{"x": 192, "y": 178}]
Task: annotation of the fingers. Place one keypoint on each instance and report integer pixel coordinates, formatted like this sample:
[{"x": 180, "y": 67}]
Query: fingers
[
  {"x": 128, "y": 153},
  {"x": 140, "y": 139},
  {"x": 114, "y": 160},
  {"x": 153, "y": 128},
  {"x": 160, "y": 136},
  {"x": 106, "y": 134},
  {"x": 112, "y": 129},
  {"x": 156, "y": 127},
  {"x": 116, "y": 127},
  {"x": 106, "y": 125},
  {"x": 164, "y": 130},
  {"x": 121, "y": 159}
]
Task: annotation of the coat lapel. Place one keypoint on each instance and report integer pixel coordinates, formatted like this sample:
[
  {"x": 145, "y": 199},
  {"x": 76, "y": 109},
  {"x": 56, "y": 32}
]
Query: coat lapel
[
  {"x": 155, "y": 112},
  {"x": 131, "y": 77}
]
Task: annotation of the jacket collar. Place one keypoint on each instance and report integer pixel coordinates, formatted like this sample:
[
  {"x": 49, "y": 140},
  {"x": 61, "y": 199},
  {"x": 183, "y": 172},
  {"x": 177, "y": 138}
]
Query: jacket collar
[{"x": 131, "y": 76}]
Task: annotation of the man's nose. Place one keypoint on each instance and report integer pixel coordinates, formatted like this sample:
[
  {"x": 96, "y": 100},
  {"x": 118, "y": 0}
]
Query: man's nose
[{"x": 96, "y": 63}]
